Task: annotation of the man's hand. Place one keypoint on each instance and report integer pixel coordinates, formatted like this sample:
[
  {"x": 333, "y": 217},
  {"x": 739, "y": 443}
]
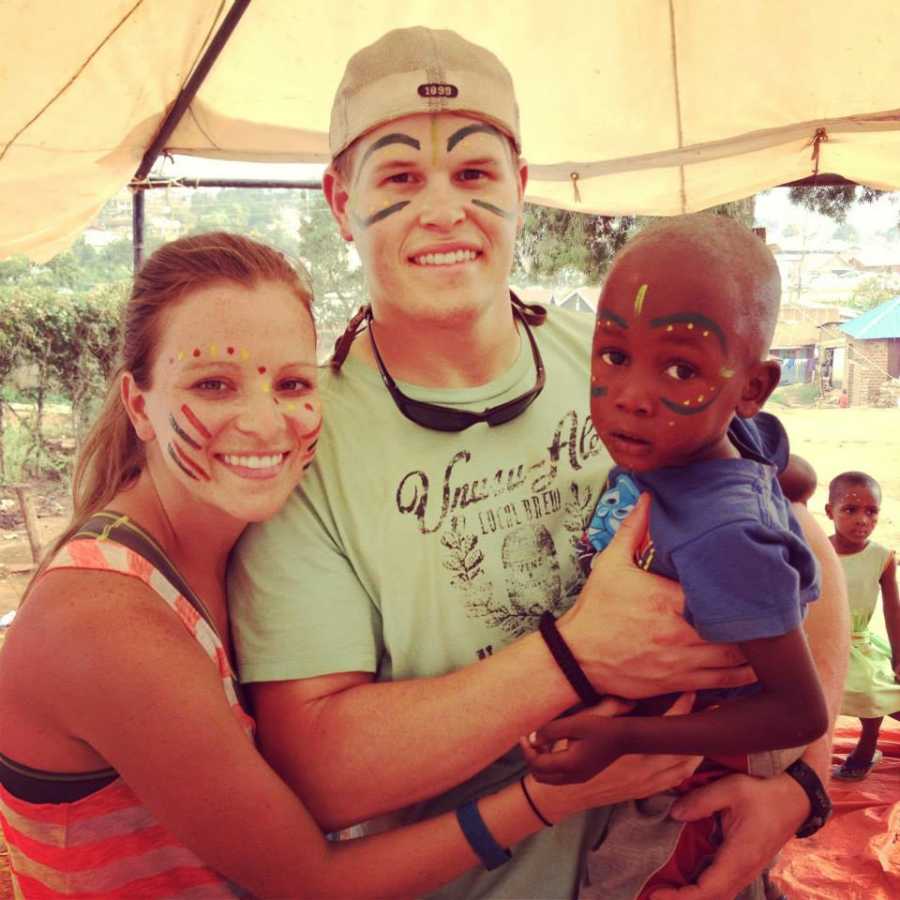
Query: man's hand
[
  {"x": 753, "y": 835},
  {"x": 627, "y": 632}
]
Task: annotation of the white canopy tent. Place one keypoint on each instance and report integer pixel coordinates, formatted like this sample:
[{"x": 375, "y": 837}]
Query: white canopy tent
[{"x": 628, "y": 106}]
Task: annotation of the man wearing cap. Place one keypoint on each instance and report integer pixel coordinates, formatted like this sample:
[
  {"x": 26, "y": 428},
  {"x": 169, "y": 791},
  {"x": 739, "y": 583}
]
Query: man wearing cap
[{"x": 387, "y": 620}]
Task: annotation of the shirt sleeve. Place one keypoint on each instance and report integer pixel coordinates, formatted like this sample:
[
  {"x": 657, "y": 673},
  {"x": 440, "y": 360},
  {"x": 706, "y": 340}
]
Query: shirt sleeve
[
  {"x": 297, "y": 608},
  {"x": 764, "y": 437},
  {"x": 740, "y": 583}
]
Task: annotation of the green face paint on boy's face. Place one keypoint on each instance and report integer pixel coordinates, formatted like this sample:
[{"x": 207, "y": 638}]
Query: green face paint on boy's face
[
  {"x": 434, "y": 207},
  {"x": 666, "y": 371}
]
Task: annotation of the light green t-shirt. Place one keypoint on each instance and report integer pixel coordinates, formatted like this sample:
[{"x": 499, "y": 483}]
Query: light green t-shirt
[{"x": 410, "y": 553}]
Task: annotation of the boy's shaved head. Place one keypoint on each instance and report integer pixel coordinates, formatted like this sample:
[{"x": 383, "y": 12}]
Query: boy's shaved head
[
  {"x": 840, "y": 484},
  {"x": 730, "y": 253}
]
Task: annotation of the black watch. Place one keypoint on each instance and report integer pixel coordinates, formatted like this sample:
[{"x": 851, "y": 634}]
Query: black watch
[{"x": 819, "y": 801}]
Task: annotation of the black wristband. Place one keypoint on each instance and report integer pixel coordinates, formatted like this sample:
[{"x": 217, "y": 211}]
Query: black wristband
[
  {"x": 819, "y": 801},
  {"x": 532, "y": 804},
  {"x": 566, "y": 661}
]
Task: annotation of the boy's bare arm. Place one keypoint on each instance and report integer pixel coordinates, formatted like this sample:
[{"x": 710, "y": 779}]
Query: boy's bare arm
[{"x": 788, "y": 711}]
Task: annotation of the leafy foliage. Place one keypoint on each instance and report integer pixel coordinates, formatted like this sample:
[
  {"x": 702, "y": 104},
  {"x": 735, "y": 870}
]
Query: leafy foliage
[
  {"x": 575, "y": 248},
  {"x": 62, "y": 343},
  {"x": 833, "y": 201},
  {"x": 874, "y": 290}
]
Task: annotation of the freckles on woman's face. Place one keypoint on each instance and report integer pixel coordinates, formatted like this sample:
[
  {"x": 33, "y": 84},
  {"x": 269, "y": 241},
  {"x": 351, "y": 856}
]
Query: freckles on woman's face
[{"x": 235, "y": 403}]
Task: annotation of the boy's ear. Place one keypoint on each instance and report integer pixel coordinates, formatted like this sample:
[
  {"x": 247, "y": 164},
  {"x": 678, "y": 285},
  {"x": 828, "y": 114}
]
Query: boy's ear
[
  {"x": 828, "y": 511},
  {"x": 134, "y": 402},
  {"x": 338, "y": 196},
  {"x": 761, "y": 380}
]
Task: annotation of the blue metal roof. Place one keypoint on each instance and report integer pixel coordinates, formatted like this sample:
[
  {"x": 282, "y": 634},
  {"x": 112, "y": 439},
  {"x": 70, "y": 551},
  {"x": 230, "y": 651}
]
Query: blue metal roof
[{"x": 881, "y": 322}]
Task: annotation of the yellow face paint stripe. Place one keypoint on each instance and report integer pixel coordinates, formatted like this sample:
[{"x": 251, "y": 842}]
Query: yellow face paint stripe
[{"x": 639, "y": 299}]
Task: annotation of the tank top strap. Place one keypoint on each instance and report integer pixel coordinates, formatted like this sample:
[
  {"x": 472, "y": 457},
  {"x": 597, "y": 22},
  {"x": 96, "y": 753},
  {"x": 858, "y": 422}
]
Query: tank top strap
[{"x": 110, "y": 541}]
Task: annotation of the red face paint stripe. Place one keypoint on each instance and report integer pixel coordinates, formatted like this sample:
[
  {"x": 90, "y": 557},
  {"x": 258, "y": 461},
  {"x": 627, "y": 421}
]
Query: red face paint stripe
[
  {"x": 189, "y": 462},
  {"x": 180, "y": 464},
  {"x": 314, "y": 433},
  {"x": 189, "y": 415},
  {"x": 182, "y": 433}
]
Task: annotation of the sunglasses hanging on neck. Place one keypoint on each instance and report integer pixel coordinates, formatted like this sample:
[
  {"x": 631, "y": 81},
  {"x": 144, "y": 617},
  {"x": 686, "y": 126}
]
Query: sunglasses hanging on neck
[{"x": 448, "y": 418}]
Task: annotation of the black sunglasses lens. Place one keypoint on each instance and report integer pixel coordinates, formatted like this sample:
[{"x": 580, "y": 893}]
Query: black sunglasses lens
[{"x": 436, "y": 418}]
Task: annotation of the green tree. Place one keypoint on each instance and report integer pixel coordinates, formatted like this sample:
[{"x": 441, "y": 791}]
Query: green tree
[
  {"x": 10, "y": 352},
  {"x": 337, "y": 282},
  {"x": 873, "y": 291},
  {"x": 833, "y": 201},
  {"x": 558, "y": 246}
]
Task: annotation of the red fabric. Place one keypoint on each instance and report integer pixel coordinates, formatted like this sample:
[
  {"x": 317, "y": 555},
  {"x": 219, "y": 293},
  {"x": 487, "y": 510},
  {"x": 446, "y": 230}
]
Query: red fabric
[
  {"x": 695, "y": 849},
  {"x": 857, "y": 854}
]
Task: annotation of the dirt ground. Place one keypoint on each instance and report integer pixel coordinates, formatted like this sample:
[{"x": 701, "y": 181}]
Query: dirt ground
[{"x": 832, "y": 439}]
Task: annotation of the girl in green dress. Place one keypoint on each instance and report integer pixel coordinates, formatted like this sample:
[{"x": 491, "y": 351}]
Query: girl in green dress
[{"x": 872, "y": 690}]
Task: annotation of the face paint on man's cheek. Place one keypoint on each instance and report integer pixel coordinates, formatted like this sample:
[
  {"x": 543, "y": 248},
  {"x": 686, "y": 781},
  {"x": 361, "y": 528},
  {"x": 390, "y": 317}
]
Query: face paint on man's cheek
[
  {"x": 377, "y": 216},
  {"x": 496, "y": 210}
]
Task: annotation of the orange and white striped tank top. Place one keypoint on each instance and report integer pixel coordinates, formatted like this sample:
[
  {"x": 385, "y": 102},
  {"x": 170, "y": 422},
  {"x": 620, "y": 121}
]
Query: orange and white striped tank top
[{"x": 106, "y": 843}]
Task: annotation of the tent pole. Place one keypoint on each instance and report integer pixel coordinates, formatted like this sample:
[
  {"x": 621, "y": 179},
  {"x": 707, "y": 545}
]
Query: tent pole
[
  {"x": 189, "y": 91},
  {"x": 137, "y": 226}
]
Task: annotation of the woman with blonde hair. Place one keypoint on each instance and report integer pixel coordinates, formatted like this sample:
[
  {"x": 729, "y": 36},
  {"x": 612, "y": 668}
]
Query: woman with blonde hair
[{"x": 127, "y": 762}]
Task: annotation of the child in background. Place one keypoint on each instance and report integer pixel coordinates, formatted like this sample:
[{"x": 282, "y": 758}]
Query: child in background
[
  {"x": 872, "y": 690},
  {"x": 678, "y": 378}
]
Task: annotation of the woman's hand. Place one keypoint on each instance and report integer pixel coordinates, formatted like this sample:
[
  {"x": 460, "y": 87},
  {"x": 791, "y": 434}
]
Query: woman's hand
[{"x": 628, "y": 778}]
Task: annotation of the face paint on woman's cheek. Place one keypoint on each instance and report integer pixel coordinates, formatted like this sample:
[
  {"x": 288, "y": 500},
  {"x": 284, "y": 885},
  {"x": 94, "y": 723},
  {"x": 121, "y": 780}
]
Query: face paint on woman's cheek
[
  {"x": 306, "y": 426},
  {"x": 182, "y": 433},
  {"x": 195, "y": 421},
  {"x": 179, "y": 454},
  {"x": 184, "y": 462}
]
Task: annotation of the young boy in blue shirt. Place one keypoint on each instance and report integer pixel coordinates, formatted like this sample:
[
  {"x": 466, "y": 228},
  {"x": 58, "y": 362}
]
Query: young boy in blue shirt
[{"x": 678, "y": 377}]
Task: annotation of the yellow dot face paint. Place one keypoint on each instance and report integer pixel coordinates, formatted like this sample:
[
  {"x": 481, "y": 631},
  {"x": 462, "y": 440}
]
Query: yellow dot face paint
[
  {"x": 670, "y": 327},
  {"x": 725, "y": 372},
  {"x": 180, "y": 355},
  {"x": 213, "y": 350},
  {"x": 244, "y": 354}
]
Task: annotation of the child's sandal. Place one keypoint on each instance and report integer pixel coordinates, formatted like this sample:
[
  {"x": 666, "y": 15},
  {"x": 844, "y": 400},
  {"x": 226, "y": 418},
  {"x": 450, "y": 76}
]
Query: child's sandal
[{"x": 847, "y": 772}]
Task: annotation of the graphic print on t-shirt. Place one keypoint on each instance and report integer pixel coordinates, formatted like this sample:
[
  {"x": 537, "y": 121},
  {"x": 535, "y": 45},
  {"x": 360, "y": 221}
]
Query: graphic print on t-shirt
[
  {"x": 528, "y": 515},
  {"x": 618, "y": 499}
]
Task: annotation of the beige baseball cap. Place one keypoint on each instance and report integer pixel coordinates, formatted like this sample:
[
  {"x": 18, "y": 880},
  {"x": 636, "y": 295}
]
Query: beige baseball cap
[{"x": 421, "y": 70}]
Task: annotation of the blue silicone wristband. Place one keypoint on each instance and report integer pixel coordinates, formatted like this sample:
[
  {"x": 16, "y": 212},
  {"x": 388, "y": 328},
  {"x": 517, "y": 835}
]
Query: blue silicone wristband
[{"x": 491, "y": 854}]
